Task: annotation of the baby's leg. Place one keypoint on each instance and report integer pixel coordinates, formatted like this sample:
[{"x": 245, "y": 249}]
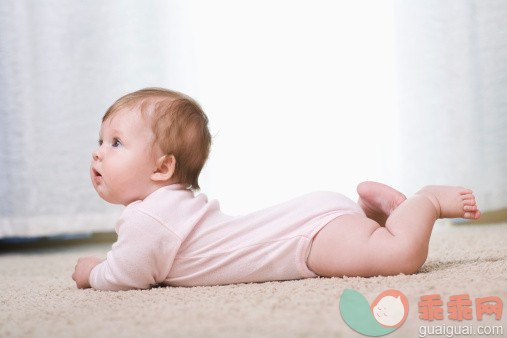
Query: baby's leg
[
  {"x": 354, "y": 245},
  {"x": 378, "y": 200}
]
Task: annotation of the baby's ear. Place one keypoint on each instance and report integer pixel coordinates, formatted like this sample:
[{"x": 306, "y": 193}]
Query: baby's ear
[{"x": 165, "y": 168}]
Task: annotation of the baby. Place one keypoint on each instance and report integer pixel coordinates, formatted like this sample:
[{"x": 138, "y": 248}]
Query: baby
[{"x": 153, "y": 144}]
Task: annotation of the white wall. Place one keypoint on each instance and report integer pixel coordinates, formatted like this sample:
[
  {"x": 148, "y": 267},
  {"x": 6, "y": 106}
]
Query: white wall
[{"x": 300, "y": 96}]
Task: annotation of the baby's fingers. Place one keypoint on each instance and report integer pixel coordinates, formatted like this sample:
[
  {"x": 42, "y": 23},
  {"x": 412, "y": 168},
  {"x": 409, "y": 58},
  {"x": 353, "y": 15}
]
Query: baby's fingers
[{"x": 74, "y": 275}]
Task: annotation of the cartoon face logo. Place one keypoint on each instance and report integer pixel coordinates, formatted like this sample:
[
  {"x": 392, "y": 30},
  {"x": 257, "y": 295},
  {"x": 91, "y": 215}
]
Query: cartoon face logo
[
  {"x": 387, "y": 312},
  {"x": 388, "y": 309}
]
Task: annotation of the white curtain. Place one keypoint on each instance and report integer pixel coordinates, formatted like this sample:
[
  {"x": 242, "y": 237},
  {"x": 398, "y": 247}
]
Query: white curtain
[
  {"x": 452, "y": 63},
  {"x": 301, "y": 96},
  {"x": 62, "y": 63}
]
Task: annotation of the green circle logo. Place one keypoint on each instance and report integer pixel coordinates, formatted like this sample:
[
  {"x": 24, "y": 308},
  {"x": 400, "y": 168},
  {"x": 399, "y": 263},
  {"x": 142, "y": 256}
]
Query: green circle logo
[{"x": 387, "y": 312}]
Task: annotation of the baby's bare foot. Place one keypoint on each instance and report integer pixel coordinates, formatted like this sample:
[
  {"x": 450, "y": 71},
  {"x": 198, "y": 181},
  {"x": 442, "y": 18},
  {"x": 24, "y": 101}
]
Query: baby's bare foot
[
  {"x": 452, "y": 202},
  {"x": 378, "y": 200}
]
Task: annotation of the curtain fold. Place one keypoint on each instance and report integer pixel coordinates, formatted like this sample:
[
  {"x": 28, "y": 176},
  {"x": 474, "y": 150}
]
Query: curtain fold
[
  {"x": 452, "y": 65},
  {"x": 62, "y": 63},
  {"x": 308, "y": 89}
]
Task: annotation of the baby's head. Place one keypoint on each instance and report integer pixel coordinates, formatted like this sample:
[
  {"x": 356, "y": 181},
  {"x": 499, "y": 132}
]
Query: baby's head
[{"x": 148, "y": 139}]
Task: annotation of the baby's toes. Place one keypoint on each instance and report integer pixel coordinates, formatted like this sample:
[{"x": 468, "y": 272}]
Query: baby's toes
[
  {"x": 470, "y": 207},
  {"x": 472, "y": 214},
  {"x": 400, "y": 199},
  {"x": 469, "y": 200},
  {"x": 465, "y": 191}
]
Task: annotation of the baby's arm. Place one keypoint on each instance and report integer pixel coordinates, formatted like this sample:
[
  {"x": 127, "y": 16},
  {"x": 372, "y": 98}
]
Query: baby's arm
[
  {"x": 142, "y": 256},
  {"x": 82, "y": 271}
]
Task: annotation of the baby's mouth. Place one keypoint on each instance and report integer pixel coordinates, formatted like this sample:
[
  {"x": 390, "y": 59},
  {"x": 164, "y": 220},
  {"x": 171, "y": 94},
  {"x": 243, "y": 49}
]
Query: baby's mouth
[{"x": 96, "y": 175}]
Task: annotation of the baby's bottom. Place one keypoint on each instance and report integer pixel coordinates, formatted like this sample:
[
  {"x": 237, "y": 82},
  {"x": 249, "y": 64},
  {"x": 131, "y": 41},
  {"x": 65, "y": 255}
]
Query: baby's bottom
[{"x": 354, "y": 245}]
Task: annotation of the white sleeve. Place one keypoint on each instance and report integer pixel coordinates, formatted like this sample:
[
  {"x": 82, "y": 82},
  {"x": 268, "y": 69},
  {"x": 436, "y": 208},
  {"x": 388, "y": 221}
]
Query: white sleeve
[{"x": 141, "y": 257}]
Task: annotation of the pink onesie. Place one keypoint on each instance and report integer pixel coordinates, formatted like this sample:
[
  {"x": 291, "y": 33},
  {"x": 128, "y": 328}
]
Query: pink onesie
[{"x": 175, "y": 238}]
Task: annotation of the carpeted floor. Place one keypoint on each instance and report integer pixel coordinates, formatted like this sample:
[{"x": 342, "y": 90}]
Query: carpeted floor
[{"x": 39, "y": 299}]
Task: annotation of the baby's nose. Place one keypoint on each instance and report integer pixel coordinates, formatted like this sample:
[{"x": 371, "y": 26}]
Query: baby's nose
[{"x": 96, "y": 155}]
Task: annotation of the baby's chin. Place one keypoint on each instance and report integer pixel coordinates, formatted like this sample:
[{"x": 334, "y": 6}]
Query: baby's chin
[
  {"x": 116, "y": 200},
  {"x": 106, "y": 197},
  {"x": 112, "y": 197}
]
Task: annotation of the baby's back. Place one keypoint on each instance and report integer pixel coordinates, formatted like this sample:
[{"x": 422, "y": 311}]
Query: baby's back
[{"x": 269, "y": 244}]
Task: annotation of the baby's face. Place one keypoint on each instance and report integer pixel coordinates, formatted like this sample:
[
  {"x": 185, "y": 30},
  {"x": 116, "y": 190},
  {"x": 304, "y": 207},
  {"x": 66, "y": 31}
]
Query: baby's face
[{"x": 123, "y": 163}]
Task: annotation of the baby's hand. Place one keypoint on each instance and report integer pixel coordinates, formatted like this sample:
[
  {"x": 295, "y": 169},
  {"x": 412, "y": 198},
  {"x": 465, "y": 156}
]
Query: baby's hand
[{"x": 82, "y": 271}]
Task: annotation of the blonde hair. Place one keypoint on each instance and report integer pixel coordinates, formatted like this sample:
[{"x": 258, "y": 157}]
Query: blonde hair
[{"x": 180, "y": 127}]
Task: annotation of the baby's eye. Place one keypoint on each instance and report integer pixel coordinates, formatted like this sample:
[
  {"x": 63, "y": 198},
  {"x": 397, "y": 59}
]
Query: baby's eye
[
  {"x": 100, "y": 143},
  {"x": 116, "y": 143}
]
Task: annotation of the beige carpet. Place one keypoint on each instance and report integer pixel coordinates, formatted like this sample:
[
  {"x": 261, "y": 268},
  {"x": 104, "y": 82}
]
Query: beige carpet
[{"x": 39, "y": 299}]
